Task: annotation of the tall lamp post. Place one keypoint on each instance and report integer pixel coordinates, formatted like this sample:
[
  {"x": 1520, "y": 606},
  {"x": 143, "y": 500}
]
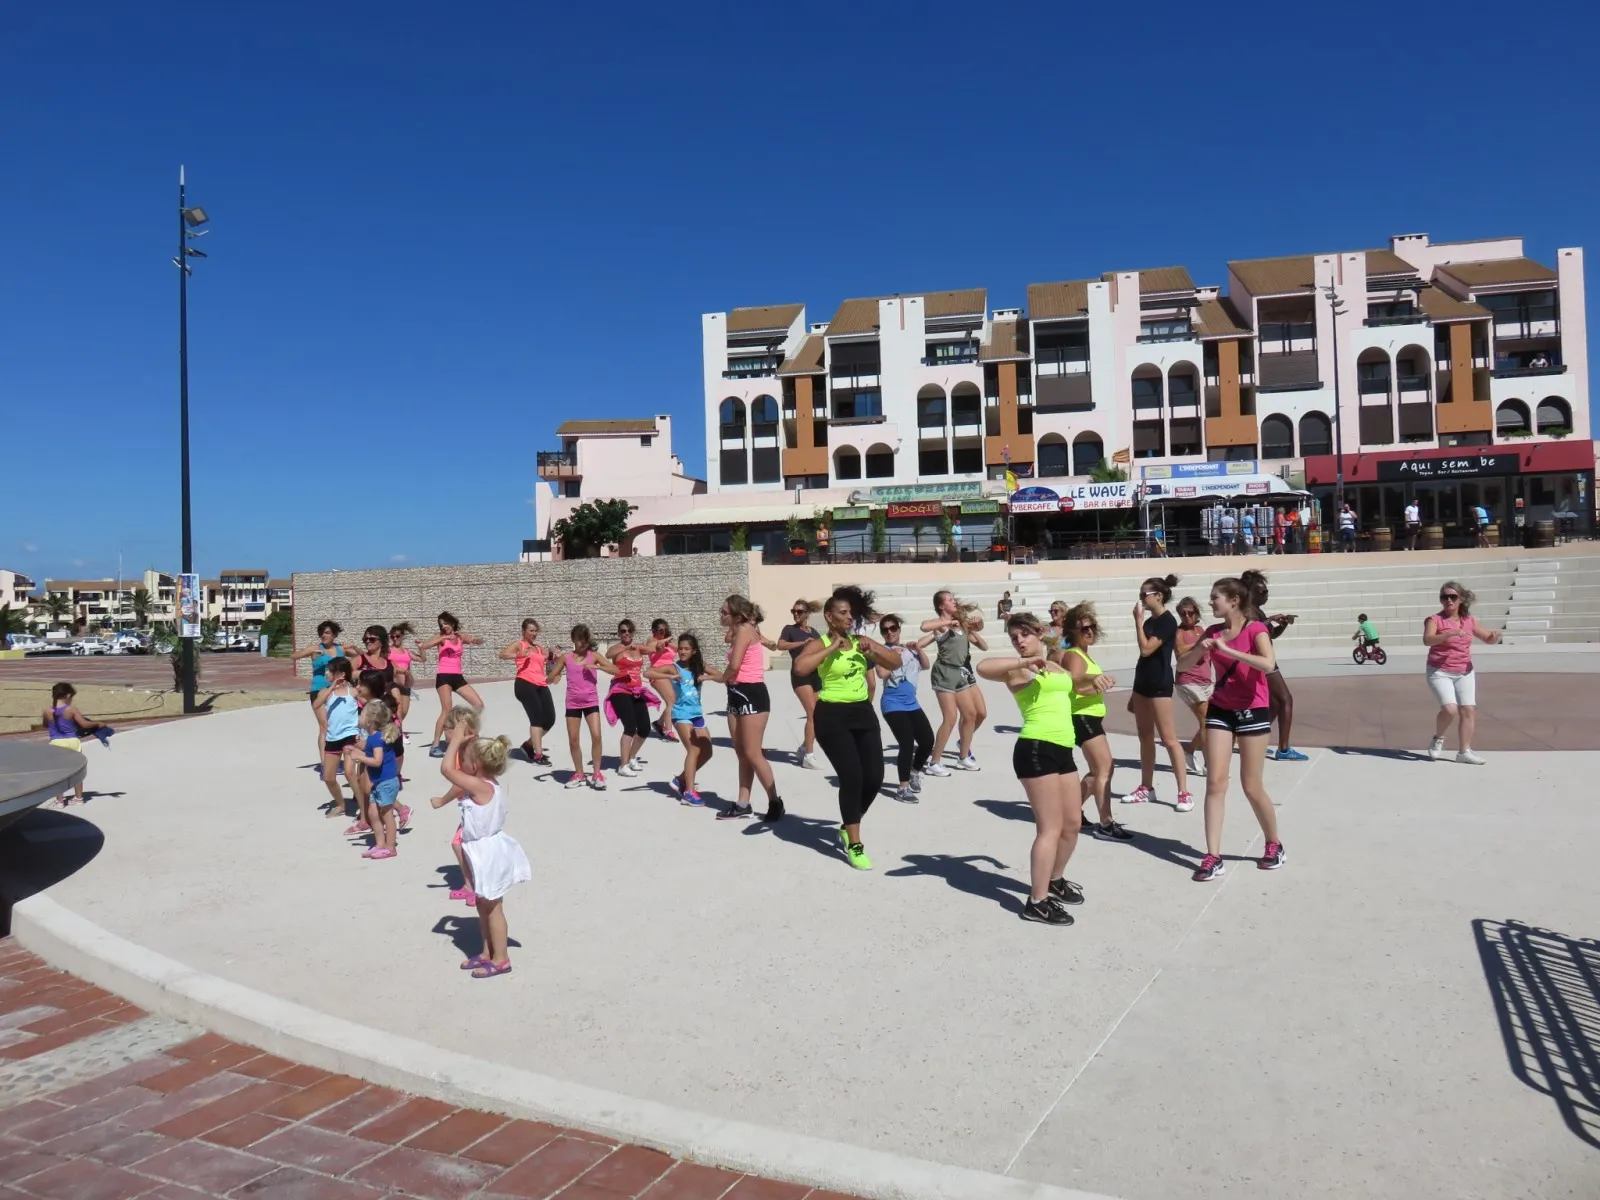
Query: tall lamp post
[
  {"x": 189, "y": 222},
  {"x": 1336, "y": 306}
]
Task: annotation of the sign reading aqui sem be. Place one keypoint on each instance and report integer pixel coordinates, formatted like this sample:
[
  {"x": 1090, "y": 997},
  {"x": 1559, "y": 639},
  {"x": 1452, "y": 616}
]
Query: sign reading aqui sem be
[{"x": 1464, "y": 466}]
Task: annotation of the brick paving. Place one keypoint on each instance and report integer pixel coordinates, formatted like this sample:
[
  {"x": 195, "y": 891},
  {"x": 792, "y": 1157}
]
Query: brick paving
[{"x": 101, "y": 1101}]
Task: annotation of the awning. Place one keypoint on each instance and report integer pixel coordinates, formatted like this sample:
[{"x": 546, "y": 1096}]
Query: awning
[
  {"x": 749, "y": 514},
  {"x": 1225, "y": 488}
]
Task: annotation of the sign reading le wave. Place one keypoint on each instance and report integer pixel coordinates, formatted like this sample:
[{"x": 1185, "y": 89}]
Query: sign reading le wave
[
  {"x": 1074, "y": 497},
  {"x": 1465, "y": 466}
]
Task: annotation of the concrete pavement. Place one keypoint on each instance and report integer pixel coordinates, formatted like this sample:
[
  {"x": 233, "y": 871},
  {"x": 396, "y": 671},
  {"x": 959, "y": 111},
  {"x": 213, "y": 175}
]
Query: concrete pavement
[{"x": 1325, "y": 1029}]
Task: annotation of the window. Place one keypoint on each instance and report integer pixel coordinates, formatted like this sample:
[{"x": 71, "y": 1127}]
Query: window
[
  {"x": 933, "y": 460},
  {"x": 735, "y": 465},
  {"x": 847, "y": 463},
  {"x": 1181, "y": 389},
  {"x": 930, "y": 409},
  {"x": 967, "y": 460},
  {"x": 1277, "y": 437},
  {"x": 646, "y": 440},
  {"x": 1052, "y": 457},
  {"x": 1553, "y": 414},
  {"x": 1316, "y": 434},
  {"x": 1168, "y": 329},
  {"x": 852, "y": 405},
  {"x": 765, "y": 466},
  {"x": 1058, "y": 347},
  {"x": 731, "y": 416},
  {"x": 1147, "y": 390},
  {"x": 571, "y": 488},
  {"x": 1391, "y": 310},
  {"x": 1148, "y": 441},
  {"x": 880, "y": 462},
  {"x": 941, "y": 354},
  {"x": 764, "y": 411},
  {"x": 1088, "y": 452},
  {"x": 1284, "y": 337}
]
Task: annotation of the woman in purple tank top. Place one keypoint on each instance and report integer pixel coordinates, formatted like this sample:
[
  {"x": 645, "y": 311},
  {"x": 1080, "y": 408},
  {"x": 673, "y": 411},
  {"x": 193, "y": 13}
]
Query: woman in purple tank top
[{"x": 581, "y": 665}]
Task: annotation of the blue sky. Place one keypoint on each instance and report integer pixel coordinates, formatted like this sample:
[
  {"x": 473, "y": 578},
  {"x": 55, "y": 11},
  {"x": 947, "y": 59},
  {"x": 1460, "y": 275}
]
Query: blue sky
[{"x": 434, "y": 238}]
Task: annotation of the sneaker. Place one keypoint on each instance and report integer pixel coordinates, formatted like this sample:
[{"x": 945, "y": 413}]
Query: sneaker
[
  {"x": 1471, "y": 758},
  {"x": 916, "y": 781},
  {"x": 904, "y": 794},
  {"x": 640, "y": 759},
  {"x": 1292, "y": 755},
  {"x": 578, "y": 780},
  {"x": 598, "y": 781},
  {"x": 736, "y": 812},
  {"x": 406, "y": 737},
  {"x": 1194, "y": 767},
  {"x": 1436, "y": 748},
  {"x": 1211, "y": 867},
  {"x": 775, "y": 810},
  {"x": 527, "y": 749},
  {"x": 1272, "y": 857},
  {"x": 811, "y": 762},
  {"x": 1045, "y": 913},
  {"x": 676, "y": 784},
  {"x": 1272, "y": 752},
  {"x": 937, "y": 770},
  {"x": 1111, "y": 831},
  {"x": 386, "y": 853},
  {"x": 436, "y": 750},
  {"x": 1139, "y": 795},
  {"x": 541, "y": 759},
  {"x": 1064, "y": 891},
  {"x": 970, "y": 763},
  {"x": 856, "y": 854},
  {"x": 629, "y": 769},
  {"x": 692, "y": 799},
  {"x": 1185, "y": 802}
]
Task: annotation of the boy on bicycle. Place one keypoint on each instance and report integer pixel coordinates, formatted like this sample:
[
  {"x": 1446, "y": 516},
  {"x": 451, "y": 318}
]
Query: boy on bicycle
[{"x": 1366, "y": 631}]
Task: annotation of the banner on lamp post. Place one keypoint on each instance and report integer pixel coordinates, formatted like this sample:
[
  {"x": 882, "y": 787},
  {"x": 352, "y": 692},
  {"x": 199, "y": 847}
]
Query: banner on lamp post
[{"x": 189, "y": 606}]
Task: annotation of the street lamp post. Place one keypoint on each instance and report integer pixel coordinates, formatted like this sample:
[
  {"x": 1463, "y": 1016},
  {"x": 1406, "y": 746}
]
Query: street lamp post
[
  {"x": 189, "y": 221},
  {"x": 1335, "y": 306}
]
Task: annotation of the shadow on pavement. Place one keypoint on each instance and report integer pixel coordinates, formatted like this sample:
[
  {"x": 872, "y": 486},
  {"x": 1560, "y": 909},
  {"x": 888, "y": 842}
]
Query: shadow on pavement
[
  {"x": 40, "y": 850},
  {"x": 463, "y": 931},
  {"x": 1546, "y": 991},
  {"x": 1377, "y": 752},
  {"x": 810, "y": 832},
  {"x": 961, "y": 872},
  {"x": 1168, "y": 850}
]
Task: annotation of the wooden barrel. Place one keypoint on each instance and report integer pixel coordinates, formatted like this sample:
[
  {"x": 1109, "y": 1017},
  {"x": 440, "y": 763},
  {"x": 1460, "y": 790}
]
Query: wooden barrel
[
  {"x": 1432, "y": 537},
  {"x": 1544, "y": 534},
  {"x": 1383, "y": 538},
  {"x": 1492, "y": 535},
  {"x": 1314, "y": 541}
]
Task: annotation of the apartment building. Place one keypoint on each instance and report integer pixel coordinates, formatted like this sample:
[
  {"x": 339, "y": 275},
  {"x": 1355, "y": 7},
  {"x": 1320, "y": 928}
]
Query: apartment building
[
  {"x": 1410, "y": 353},
  {"x": 245, "y": 597}
]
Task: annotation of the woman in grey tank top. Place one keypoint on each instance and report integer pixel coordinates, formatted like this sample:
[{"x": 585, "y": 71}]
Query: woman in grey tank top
[{"x": 960, "y": 700}]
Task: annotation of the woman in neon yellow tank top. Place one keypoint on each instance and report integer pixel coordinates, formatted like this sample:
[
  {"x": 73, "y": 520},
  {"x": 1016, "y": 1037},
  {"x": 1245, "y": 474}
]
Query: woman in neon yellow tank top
[
  {"x": 1089, "y": 687},
  {"x": 847, "y": 728},
  {"x": 1043, "y": 762}
]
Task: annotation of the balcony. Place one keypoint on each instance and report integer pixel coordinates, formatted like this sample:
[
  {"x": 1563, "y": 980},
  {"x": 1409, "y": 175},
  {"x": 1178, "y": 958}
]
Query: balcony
[
  {"x": 1373, "y": 385},
  {"x": 1064, "y": 393},
  {"x": 1294, "y": 370},
  {"x": 1413, "y": 318},
  {"x": 1413, "y": 383},
  {"x": 558, "y": 464},
  {"x": 966, "y": 352},
  {"x": 752, "y": 368},
  {"x": 1523, "y": 372}
]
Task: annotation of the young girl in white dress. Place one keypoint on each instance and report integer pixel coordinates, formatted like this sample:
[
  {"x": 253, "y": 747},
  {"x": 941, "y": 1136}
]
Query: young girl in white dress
[{"x": 474, "y": 766}]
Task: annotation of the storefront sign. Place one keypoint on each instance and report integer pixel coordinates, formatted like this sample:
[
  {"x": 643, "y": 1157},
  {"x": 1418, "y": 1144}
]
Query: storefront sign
[
  {"x": 1257, "y": 485},
  {"x": 1086, "y": 497},
  {"x": 854, "y": 512},
  {"x": 916, "y": 508},
  {"x": 1205, "y": 470},
  {"x": 971, "y": 508},
  {"x": 1464, "y": 466},
  {"x": 906, "y": 492},
  {"x": 190, "y": 606},
  {"x": 1035, "y": 500}
]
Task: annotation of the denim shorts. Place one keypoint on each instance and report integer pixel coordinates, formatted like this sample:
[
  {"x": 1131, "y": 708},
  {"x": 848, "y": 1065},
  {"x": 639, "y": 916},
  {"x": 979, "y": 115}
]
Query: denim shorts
[{"x": 385, "y": 792}]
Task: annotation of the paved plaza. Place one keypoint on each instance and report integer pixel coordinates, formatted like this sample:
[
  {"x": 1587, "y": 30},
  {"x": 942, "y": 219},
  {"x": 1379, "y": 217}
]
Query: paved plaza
[{"x": 1404, "y": 1011}]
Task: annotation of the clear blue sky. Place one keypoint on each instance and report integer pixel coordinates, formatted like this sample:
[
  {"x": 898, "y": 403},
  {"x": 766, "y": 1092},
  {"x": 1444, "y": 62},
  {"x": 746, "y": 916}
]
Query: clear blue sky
[{"x": 438, "y": 232}]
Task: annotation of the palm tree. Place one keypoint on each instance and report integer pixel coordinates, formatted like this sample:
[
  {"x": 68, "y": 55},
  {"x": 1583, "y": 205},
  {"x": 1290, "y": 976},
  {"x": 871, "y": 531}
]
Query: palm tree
[
  {"x": 141, "y": 607},
  {"x": 11, "y": 622},
  {"x": 917, "y": 530},
  {"x": 56, "y": 605}
]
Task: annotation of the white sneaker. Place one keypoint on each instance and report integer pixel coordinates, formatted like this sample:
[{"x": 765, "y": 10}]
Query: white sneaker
[
  {"x": 811, "y": 762},
  {"x": 631, "y": 768},
  {"x": 1194, "y": 767},
  {"x": 970, "y": 763},
  {"x": 407, "y": 738},
  {"x": 577, "y": 781},
  {"x": 937, "y": 770},
  {"x": 1471, "y": 759},
  {"x": 1436, "y": 748}
]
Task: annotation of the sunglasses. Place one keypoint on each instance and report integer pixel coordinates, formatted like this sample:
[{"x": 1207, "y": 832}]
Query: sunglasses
[
  {"x": 1449, "y": 596},
  {"x": 891, "y": 629},
  {"x": 1085, "y": 628}
]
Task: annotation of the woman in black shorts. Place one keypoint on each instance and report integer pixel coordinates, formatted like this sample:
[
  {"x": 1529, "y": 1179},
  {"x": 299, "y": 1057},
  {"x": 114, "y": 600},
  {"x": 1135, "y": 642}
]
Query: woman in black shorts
[
  {"x": 1042, "y": 759},
  {"x": 793, "y": 638},
  {"x": 1089, "y": 687},
  {"x": 1151, "y": 702},
  {"x": 749, "y": 708}
]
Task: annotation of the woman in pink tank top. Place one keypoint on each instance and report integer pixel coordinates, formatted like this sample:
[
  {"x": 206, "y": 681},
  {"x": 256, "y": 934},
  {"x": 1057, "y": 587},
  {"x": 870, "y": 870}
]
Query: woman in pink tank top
[
  {"x": 749, "y": 707},
  {"x": 532, "y": 689},
  {"x": 582, "y": 667},
  {"x": 627, "y": 700},
  {"x": 1240, "y": 649},
  {"x": 448, "y": 680},
  {"x": 402, "y": 658},
  {"x": 1448, "y": 636},
  {"x": 662, "y": 652}
]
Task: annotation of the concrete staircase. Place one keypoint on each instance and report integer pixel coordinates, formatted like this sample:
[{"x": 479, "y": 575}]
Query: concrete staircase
[{"x": 1397, "y": 593}]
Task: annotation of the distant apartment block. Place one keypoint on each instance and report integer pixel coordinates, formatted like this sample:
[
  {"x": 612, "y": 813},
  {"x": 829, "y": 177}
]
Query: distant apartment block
[
  {"x": 1416, "y": 348},
  {"x": 245, "y": 597},
  {"x": 235, "y": 599}
]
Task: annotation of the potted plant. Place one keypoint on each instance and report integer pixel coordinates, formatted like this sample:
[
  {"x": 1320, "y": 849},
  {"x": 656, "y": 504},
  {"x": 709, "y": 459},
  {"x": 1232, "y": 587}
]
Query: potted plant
[
  {"x": 1558, "y": 431},
  {"x": 947, "y": 535},
  {"x": 880, "y": 531},
  {"x": 918, "y": 528},
  {"x": 997, "y": 538}
]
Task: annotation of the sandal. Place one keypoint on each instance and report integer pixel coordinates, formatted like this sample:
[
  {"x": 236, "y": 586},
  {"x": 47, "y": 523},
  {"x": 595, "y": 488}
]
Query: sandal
[
  {"x": 490, "y": 969},
  {"x": 476, "y": 961}
]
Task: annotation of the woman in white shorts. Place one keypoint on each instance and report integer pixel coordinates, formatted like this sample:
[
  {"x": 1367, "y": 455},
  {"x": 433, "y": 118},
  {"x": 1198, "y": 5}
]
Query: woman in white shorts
[
  {"x": 1448, "y": 636},
  {"x": 1194, "y": 682}
]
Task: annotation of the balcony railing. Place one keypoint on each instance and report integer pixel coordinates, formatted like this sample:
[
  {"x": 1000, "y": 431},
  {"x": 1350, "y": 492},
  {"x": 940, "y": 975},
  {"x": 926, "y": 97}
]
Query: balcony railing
[
  {"x": 1184, "y": 335},
  {"x": 1522, "y": 372},
  {"x": 1413, "y": 383},
  {"x": 1415, "y": 318},
  {"x": 1373, "y": 386},
  {"x": 558, "y": 464},
  {"x": 950, "y": 360}
]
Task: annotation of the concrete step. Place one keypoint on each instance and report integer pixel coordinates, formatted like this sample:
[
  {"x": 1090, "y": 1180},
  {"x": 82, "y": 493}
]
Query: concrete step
[
  {"x": 1545, "y": 581},
  {"x": 1518, "y": 625},
  {"x": 1531, "y": 610}
]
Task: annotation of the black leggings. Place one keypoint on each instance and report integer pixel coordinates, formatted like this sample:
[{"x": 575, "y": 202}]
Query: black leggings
[
  {"x": 915, "y": 737},
  {"x": 633, "y": 713},
  {"x": 536, "y": 702},
  {"x": 851, "y": 738}
]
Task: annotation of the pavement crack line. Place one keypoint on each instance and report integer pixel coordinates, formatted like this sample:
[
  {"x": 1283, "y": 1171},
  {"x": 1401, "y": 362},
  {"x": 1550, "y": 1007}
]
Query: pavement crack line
[{"x": 1149, "y": 983}]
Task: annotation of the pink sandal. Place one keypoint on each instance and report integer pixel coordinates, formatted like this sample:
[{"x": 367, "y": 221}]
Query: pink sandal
[
  {"x": 490, "y": 969},
  {"x": 476, "y": 961}
]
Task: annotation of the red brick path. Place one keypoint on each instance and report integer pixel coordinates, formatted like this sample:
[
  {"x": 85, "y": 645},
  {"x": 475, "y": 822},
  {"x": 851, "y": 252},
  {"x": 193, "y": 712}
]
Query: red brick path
[{"x": 212, "y": 1118}]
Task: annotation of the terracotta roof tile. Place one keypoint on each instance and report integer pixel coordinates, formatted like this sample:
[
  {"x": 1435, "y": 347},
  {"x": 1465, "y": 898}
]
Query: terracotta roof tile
[
  {"x": 1387, "y": 262},
  {"x": 1161, "y": 280},
  {"x": 1441, "y": 306},
  {"x": 1496, "y": 271},
  {"x": 1219, "y": 318},
  {"x": 807, "y": 360},
  {"x": 855, "y": 316},
  {"x": 1056, "y": 301},
  {"x": 861, "y": 315},
  {"x": 626, "y": 425},
  {"x": 1008, "y": 342},
  {"x": 1293, "y": 275},
  {"x": 961, "y": 303},
  {"x": 771, "y": 316}
]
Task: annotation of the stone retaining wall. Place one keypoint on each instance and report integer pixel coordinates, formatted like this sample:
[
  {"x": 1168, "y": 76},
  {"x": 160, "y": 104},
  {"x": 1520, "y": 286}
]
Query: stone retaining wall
[{"x": 491, "y": 600}]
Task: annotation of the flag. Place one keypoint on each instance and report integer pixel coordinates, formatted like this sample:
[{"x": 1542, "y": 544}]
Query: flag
[
  {"x": 1122, "y": 456},
  {"x": 1011, "y": 480}
]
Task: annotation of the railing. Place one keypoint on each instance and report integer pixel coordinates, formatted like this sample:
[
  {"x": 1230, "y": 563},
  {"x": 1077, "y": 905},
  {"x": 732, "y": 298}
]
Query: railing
[
  {"x": 949, "y": 360},
  {"x": 1174, "y": 336},
  {"x": 869, "y": 419},
  {"x": 1413, "y": 383},
  {"x": 1521, "y": 372},
  {"x": 558, "y": 462},
  {"x": 1373, "y": 386},
  {"x": 1414, "y": 318}
]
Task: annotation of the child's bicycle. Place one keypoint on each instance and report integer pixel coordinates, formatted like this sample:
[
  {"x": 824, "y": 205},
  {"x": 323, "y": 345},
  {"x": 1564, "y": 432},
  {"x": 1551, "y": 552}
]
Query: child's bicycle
[{"x": 1363, "y": 652}]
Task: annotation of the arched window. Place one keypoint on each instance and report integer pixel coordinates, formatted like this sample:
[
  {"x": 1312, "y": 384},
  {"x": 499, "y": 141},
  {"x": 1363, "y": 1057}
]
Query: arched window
[
  {"x": 846, "y": 463},
  {"x": 734, "y": 453},
  {"x": 1146, "y": 389},
  {"x": 1372, "y": 372},
  {"x": 1511, "y": 417},
  {"x": 1088, "y": 452},
  {"x": 766, "y": 465},
  {"x": 763, "y": 411},
  {"x": 1052, "y": 456},
  {"x": 1277, "y": 437},
  {"x": 965, "y": 406},
  {"x": 1183, "y": 386},
  {"x": 931, "y": 410},
  {"x": 880, "y": 462},
  {"x": 1554, "y": 413},
  {"x": 1316, "y": 434}
]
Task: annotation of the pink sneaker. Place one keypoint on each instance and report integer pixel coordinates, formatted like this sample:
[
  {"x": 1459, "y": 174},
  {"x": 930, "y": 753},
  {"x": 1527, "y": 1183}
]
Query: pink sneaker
[
  {"x": 460, "y": 893},
  {"x": 385, "y": 853},
  {"x": 1139, "y": 795},
  {"x": 598, "y": 781},
  {"x": 359, "y": 827},
  {"x": 1185, "y": 802},
  {"x": 372, "y": 852}
]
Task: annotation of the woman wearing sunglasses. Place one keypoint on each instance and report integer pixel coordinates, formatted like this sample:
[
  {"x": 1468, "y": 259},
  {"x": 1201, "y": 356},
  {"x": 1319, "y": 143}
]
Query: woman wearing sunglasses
[
  {"x": 1193, "y": 685},
  {"x": 1448, "y": 636},
  {"x": 793, "y": 638},
  {"x": 1089, "y": 687},
  {"x": 902, "y": 710}
]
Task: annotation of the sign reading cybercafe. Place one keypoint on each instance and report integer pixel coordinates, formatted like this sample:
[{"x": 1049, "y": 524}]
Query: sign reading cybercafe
[{"x": 1074, "y": 497}]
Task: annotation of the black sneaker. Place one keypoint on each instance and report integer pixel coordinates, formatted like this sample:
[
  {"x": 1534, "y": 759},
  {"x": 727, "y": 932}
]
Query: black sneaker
[
  {"x": 1045, "y": 913},
  {"x": 1110, "y": 831},
  {"x": 775, "y": 810},
  {"x": 736, "y": 812},
  {"x": 1272, "y": 857},
  {"x": 1064, "y": 891}
]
